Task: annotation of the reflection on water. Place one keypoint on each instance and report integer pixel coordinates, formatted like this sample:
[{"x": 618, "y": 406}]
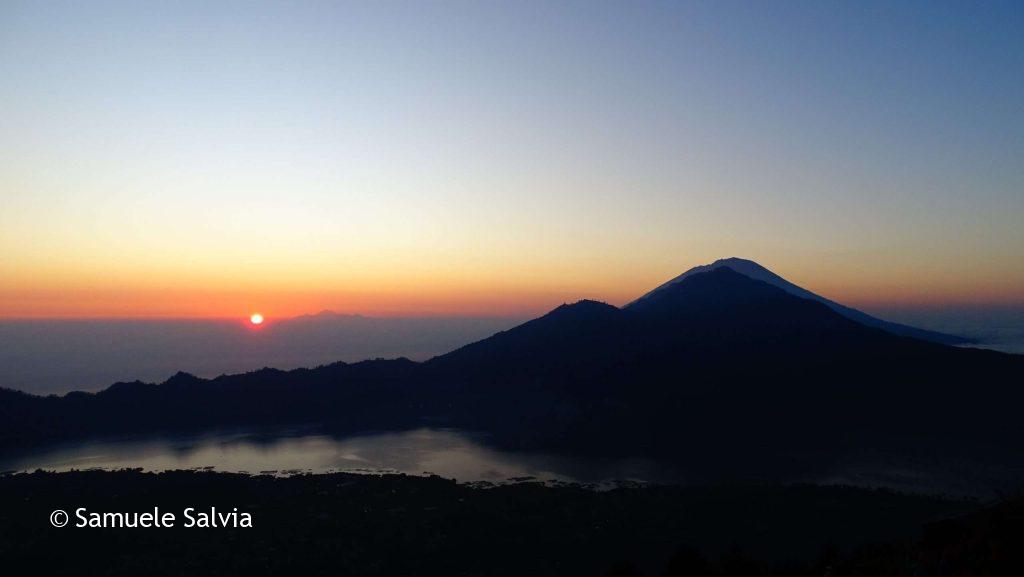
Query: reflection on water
[
  {"x": 448, "y": 453},
  {"x": 466, "y": 457}
]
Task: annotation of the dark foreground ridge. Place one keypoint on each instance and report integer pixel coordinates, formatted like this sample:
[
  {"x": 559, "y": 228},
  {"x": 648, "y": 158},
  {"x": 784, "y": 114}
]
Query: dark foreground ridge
[
  {"x": 734, "y": 376},
  {"x": 342, "y": 524}
]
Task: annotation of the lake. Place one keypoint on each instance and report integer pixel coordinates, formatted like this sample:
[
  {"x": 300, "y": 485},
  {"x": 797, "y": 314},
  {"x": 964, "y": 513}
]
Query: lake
[
  {"x": 468, "y": 457},
  {"x": 449, "y": 453}
]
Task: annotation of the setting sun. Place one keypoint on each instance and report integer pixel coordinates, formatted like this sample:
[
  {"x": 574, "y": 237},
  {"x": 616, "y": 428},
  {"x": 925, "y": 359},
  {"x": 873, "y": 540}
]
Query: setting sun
[{"x": 256, "y": 319}]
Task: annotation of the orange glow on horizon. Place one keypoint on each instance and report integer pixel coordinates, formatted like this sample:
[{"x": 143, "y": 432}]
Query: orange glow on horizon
[
  {"x": 508, "y": 289},
  {"x": 481, "y": 302}
]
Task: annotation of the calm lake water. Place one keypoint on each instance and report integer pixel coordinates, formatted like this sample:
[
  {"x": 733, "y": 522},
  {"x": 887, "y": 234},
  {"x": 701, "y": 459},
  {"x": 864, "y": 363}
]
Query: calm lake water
[
  {"x": 467, "y": 457},
  {"x": 451, "y": 454}
]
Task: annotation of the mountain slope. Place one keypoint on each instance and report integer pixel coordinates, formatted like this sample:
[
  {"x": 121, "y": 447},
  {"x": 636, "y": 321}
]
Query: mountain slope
[
  {"x": 755, "y": 271},
  {"x": 571, "y": 334}
]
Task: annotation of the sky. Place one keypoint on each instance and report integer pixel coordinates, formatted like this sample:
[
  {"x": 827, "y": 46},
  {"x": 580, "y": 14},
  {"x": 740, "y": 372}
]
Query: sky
[{"x": 196, "y": 159}]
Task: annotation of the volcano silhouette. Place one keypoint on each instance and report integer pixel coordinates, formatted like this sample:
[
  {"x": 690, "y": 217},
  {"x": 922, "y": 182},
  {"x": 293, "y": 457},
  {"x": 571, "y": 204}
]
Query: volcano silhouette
[{"x": 755, "y": 271}]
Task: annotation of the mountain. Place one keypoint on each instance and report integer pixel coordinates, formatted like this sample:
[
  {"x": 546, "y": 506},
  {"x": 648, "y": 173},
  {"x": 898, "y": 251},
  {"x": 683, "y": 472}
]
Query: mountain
[
  {"x": 719, "y": 372},
  {"x": 755, "y": 271},
  {"x": 734, "y": 377},
  {"x": 572, "y": 336},
  {"x": 717, "y": 316}
]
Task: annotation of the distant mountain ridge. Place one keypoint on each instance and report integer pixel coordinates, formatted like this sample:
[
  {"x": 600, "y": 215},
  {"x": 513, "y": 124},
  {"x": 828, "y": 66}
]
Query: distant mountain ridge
[{"x": 757, "y": 272}]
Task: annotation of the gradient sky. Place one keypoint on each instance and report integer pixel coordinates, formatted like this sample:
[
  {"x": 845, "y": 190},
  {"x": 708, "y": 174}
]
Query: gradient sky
[{"x": 182, "y": 159}]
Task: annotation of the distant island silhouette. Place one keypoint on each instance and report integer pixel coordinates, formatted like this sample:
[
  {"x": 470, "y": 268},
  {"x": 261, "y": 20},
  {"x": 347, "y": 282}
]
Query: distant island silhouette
[{"x": 727, "y": 367}]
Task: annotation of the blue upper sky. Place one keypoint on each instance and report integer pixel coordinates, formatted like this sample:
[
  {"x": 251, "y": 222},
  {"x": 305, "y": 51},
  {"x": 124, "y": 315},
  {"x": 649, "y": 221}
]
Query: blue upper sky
[{"x": 386, "y": 156}]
